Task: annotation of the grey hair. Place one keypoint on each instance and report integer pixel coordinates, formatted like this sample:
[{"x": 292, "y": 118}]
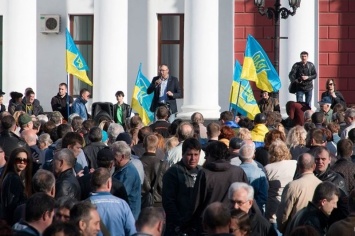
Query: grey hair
[
  {"x": 350, "y": 112},
  {"x": 247, "y": 150},
  {"x": 65, "y": 155},
  {"x": 114, "y": 130},
  {"x": 240, "y": 185},
  {"x": 308, "y": 114},
  {"x": 45, "y": 138},
  {"x": 121, "y": 147},
  {"x": 43, "y": 118},
  {"x": 70, "y": 118}
]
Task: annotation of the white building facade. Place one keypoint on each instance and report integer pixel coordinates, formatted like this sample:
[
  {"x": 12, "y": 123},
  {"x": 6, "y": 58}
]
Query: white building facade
[{"x": 195, "y": 38}]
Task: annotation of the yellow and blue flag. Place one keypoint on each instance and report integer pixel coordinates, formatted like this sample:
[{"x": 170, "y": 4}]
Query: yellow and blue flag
[
  {"x": 257, "y": 67},
  {"x": 75, "y": 62},
  {"x": 242, "y": 99},
  {"x": 141, "y": 101}
]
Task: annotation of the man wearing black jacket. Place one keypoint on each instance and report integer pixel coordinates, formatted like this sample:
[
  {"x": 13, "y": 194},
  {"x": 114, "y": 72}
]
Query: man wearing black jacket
[
  {"x": 166, "y": 90},
  {"x": 303, "y": 73},
  {"x": 324, "y": 173},
  {"x": 61, "y": 101}
]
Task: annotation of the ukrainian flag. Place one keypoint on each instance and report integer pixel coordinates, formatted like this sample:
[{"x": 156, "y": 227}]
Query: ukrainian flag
[
  {"x": 76, "y": 64},
  {"x": 141, "y": 101},
  {"x": 257, "y": 67},
  {"x": 242, "y": 99}
]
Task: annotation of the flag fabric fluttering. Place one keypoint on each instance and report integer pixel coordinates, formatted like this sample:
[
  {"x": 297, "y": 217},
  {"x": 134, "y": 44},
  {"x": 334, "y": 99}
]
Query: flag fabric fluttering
[
  {"x": 75, "y": 63},
  {"x": 242, "y": 99},
  {"x": 258, "y": 68},
  {"x": 141, "y": 101}
]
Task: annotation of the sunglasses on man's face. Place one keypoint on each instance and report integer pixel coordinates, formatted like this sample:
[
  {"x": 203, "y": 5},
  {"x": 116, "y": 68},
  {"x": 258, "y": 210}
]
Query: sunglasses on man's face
[{"x": 19, "y": 160}]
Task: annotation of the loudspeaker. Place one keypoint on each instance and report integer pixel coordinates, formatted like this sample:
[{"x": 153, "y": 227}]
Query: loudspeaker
[{"x": 102, "y": 111}]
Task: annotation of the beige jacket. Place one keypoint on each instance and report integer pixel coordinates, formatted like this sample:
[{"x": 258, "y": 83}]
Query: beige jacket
[{"x": 295, "y": 196}]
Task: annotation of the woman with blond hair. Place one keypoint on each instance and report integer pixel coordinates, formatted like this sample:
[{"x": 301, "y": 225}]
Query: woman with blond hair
[
  {"x": 262, "y": 153},
  {"x": 279, "y": 172},
  {"x": 244, "y": 134},
  {"x": 296, "y": 141}
]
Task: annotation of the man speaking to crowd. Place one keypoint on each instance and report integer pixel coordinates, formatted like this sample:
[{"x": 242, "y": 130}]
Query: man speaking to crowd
[{"x": 166, "y": 89}]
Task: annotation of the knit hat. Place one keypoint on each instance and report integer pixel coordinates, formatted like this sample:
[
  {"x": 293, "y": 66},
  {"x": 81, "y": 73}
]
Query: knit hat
[
  {"x": 16, "y": 95},
  {"x": 24, "y": 119},
  {"x": 105, "y": 154},
  {"x": 235, "y": 143},
  {"x": 124, "y": 137}
]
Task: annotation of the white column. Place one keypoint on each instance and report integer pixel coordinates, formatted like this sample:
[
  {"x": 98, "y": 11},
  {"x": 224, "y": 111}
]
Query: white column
[
  {"x": 201, "y": 59},
  {"x": 302, "y": 32},
  {"x": 20, "y": 46},
  {"x": 110, "y": 49}
]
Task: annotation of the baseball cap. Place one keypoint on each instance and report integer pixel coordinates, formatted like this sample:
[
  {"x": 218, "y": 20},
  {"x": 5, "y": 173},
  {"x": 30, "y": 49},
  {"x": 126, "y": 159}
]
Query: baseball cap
[
  {"x": 325, "y": 100},
  {"x": 24, "y": 119}
]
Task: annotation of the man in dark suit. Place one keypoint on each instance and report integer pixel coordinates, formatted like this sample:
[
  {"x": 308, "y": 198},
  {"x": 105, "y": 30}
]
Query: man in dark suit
[{"x": 166, "y": 89}]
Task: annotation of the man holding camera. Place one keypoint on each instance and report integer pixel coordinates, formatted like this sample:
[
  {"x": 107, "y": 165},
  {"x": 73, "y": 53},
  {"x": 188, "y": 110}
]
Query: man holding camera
[
  {"x": 166, "y": 89},
  {"x": 302, "y": 73}
]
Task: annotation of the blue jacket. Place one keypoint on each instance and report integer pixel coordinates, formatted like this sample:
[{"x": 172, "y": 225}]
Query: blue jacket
[
  {"x": 258, "y": 180},
  {"x": 79, "y": 108},
  {"x": 115, "y": 214},
  {"x": 128, "y": 175}
]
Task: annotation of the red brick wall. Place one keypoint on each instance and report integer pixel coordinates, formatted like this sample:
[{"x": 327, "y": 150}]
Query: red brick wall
[
  {"x": 249, "y": 21},
  {"x": 337, "y": 46},
  {"x": 336, "y": 40}
]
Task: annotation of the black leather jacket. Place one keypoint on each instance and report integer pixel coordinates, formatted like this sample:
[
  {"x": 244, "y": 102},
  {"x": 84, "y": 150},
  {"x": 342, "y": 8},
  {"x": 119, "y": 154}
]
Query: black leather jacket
[
  {"x": 342, "y": 209},
  {"x": 334, "y": 177},
  {"x": 67, "y": 185},
  {"x": 126, "y": 113},
  {"x": 9, "y": 141},
  {"x": 299, "y": 70}
]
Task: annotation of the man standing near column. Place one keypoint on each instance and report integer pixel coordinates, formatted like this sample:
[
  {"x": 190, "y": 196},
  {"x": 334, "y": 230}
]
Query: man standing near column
[
  {"x": 166, "y": 89},
  {"x": 303, "y": 73},
  {"x": 59, "y": 102}
]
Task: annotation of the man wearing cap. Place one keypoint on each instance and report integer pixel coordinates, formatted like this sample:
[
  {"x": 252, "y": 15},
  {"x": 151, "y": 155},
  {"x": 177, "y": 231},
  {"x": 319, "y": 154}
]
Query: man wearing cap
[
  {"x": 325, "y": 105},
  {"x": 2, "y": 106},
  {"x": 60, "y": 101},
  {"x": 25, "y": 122}
]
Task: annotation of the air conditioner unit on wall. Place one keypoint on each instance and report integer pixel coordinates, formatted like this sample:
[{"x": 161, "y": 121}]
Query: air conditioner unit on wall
[{"x": 50, "y": 24}]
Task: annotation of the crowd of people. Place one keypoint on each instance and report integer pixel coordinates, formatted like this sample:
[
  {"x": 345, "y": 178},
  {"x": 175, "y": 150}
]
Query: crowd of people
[{"x": 67, "y": 173}]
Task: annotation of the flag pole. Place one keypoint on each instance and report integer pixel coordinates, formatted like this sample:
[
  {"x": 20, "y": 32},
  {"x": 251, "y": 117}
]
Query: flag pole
[
  {"x": 68, "y": 96},
  {"x": 230, "y": 99},
  {"x": 240, "y": 85}
]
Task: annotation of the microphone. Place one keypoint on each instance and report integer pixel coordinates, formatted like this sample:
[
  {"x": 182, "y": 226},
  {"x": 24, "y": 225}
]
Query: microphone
[{"x": 158, "y": 82}]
